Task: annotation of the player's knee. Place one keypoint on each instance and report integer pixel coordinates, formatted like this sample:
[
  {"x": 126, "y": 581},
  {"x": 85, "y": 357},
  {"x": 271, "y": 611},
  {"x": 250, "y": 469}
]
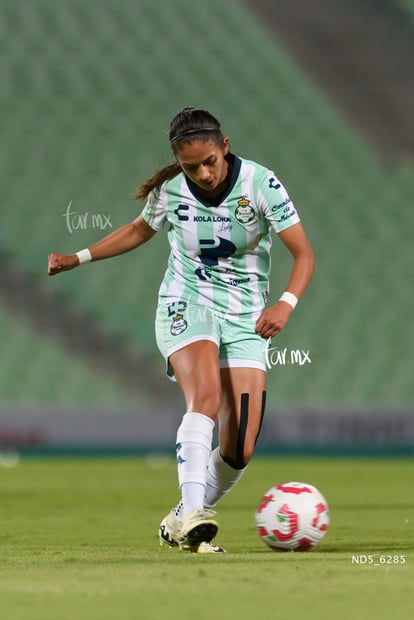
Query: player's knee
[
  {"x": 207, "y": 401},
  {"x": 243, "y": 456}
]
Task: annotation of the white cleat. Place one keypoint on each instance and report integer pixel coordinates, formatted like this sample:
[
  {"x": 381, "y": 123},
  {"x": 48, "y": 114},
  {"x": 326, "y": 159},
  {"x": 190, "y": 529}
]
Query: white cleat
[
  {"x": 170, "y": 530},
  {"x": 206, "y": 547},
  {"x": 198, "y": 527}
]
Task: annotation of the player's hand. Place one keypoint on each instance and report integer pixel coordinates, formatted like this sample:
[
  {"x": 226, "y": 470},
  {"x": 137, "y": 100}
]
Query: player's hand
[
  {"x": 272, "y": 320},
  {"x": 61, "y": 262}
]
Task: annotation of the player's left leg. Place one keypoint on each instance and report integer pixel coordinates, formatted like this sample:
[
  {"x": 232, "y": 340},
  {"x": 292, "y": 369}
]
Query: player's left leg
[{"x": 240, "y": 419}]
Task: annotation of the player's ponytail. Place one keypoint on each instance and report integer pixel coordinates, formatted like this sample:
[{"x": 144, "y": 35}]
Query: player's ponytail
[
  {"x": 188, "y": 125},
  {"x": 155, "y": 182}
]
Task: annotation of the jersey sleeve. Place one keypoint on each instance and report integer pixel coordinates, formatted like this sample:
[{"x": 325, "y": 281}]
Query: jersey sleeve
[
  {"x": 155, "y": 210},
  {"x": 278, "y": 209}
]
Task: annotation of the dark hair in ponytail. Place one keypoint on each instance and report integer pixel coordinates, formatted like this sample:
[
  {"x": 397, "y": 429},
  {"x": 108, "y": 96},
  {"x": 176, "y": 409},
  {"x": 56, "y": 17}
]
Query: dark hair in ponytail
[
  {"x": 155, "y": 182},
  {"x": 188, "y": 125}
]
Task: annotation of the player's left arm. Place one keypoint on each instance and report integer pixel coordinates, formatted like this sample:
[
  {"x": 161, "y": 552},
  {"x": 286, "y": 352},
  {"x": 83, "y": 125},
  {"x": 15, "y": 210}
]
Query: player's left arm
[{"x": 273, "y": 319}]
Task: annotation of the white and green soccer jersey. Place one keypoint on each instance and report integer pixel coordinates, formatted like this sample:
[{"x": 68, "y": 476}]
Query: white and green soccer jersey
[{"x": 220, "y": 251}]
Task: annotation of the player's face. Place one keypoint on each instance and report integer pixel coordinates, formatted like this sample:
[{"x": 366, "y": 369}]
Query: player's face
[{"x": 204, "y": 163}]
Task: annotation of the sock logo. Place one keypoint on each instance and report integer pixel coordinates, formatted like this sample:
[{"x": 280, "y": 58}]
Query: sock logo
[{"x": 180, "y": 459}]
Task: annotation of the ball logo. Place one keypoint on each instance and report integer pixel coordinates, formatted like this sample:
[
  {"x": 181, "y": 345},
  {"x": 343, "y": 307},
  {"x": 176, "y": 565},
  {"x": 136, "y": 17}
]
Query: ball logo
[
  {"x": 244, "y": 212},
  {"x": 287, "y": 523}
]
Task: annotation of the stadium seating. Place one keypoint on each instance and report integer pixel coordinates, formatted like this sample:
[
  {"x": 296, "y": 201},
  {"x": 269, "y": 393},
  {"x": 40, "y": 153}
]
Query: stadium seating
[
  {"x": 406, "y": 5},
  {"x": 35, "y": 370},
  {"x": 88, "y": 90}
]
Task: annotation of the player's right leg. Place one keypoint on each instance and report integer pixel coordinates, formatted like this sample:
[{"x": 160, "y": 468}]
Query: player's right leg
[
  {"x": 189, "y": 341},
  {"x": 196, "y": 369}
]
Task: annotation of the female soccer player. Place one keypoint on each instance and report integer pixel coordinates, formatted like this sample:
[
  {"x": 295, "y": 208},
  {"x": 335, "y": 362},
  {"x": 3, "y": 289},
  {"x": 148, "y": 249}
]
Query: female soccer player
[{"x": 213, "y": 318}]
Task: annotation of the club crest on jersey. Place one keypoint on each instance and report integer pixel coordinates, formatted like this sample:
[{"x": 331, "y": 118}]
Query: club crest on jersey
[
  {"x": 178, "y": 325},
  {"x": 244, "y": 212}
]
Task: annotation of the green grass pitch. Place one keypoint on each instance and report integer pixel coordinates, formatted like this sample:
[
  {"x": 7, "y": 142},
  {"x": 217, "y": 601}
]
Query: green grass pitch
[{"x": 78, "y": 540}]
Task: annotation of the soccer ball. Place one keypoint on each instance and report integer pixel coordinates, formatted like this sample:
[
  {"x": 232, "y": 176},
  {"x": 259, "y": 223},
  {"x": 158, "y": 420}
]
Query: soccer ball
[{"x": 292, "y": 516}]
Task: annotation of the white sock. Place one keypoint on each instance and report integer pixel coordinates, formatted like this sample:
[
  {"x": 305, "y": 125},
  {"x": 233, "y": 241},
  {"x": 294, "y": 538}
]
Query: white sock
[
  {"x": 221, "y": 478},
  {"x": 192, "y": 494},
  {"x": 194, "y": 437}
]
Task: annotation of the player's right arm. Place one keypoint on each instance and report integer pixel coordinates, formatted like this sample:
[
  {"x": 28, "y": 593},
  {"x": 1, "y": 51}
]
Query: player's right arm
[{"x": 120, "y": 241}]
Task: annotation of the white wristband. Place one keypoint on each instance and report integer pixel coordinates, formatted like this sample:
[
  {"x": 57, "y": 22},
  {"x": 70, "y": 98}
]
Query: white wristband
[
  {"x": 289, "y": 298},
  {"x": 84, "y": 256}
]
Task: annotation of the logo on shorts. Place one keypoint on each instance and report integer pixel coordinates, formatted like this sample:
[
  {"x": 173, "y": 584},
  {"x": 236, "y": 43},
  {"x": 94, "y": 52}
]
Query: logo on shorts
[
  {"x": 178, "y": 325},
  {"x": 244, "y": 212}
]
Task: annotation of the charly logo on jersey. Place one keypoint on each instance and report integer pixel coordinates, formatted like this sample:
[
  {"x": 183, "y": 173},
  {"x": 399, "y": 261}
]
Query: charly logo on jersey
[
  {"x": 177, "y": 212},
  {"x": 178, "y": 325},
  {"x": 244, "y": 212}
]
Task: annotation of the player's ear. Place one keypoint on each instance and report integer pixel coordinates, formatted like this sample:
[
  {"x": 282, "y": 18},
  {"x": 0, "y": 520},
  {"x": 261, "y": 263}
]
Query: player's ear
[{"x": 226, "y": 145}]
